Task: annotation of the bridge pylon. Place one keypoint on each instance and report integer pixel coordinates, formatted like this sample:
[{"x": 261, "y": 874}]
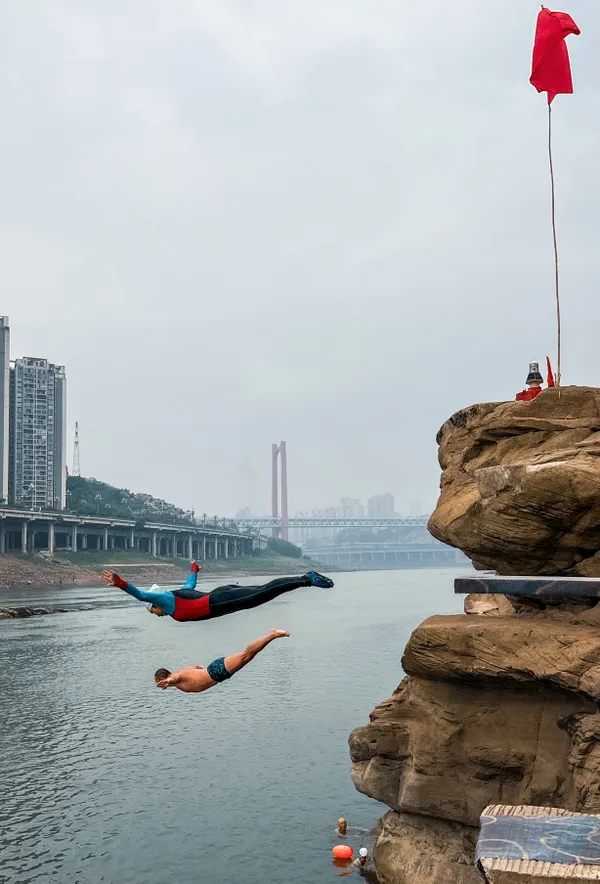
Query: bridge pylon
[{"x": 279, "y": 464}]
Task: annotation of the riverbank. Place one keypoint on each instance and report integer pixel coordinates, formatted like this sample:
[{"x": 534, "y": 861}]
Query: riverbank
[{"x": 83, "y": 568}]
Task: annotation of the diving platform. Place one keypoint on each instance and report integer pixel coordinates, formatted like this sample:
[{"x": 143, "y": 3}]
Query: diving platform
[
  {"x": 534, "y": 587},
  {"x": 527, "y": 845}
]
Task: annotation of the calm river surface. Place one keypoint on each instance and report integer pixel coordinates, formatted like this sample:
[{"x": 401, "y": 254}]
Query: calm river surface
[{"x": 104, "y": 778}]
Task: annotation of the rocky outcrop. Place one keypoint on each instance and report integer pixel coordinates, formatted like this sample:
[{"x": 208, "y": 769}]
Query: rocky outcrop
[
  {"x": 417, "y": 849},
  {"x": 499, "y": 705},
  {"x": 520, "y": 487},
  {"x": 24, "y": 611},
  {"x": 512, "y": 651},
  {"x": 494, "y": 709},
  {"x": 447, "y": 751}
]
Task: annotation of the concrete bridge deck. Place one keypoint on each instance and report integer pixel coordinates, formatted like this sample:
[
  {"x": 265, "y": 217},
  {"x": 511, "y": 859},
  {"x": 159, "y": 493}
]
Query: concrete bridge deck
[
  {"x": 388, "y": 556},
  {"x": 31, "y": 531}
]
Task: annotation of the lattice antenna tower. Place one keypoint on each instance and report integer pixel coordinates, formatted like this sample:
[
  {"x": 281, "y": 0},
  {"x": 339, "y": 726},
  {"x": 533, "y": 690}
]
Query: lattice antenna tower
[{"x": 76, "y": 469}]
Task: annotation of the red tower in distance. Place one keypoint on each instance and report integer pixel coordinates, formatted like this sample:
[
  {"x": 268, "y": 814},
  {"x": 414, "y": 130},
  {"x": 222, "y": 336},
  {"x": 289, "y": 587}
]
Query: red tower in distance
[{"x": 276, "y": 451}]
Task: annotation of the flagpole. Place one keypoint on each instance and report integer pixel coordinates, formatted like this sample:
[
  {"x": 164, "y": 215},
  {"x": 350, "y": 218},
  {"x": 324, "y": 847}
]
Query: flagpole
[{"x": 555, "y": 242}]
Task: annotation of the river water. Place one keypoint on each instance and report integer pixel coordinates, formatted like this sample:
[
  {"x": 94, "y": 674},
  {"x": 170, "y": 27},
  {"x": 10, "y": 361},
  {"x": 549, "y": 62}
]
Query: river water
[{"x": 104, "y": 778}]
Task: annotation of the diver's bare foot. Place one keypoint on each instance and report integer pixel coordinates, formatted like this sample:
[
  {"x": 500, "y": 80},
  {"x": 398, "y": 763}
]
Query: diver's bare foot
[{"x": 279, "y": 633}]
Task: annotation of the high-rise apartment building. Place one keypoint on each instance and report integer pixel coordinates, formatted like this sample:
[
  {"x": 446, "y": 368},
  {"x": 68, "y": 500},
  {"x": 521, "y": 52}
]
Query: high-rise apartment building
[
  {"x": 38, "y": 444},
  {"x": 4, "y": 405},
  {"x": 350, "y": 508},
  {"x": 381, "y": 506}
]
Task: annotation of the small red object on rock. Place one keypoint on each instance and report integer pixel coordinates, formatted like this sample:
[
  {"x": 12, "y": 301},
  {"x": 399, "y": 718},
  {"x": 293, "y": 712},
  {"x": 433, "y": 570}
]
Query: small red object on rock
[{"x": 534, "y": 383}]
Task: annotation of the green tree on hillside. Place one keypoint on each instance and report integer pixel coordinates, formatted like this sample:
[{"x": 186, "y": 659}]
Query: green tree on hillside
[
  {"x": 284, "y": 548},
  {"x": 90, "y": 497}
]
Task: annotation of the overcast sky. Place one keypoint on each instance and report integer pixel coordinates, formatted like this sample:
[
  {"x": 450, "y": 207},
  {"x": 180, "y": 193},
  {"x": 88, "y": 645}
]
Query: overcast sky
[{"x": 324, "y": 221}]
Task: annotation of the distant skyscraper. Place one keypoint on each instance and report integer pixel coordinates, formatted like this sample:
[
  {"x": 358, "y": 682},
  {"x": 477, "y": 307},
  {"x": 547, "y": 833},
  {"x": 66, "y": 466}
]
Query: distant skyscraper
[
  {"x": 247, "y": 485},
  {"x": 381, "y": 506},
  {"x": 76, "y": 464},
  {"x": 351, "y": 508},
  {"x": 38, "y": 443},
  {"x": 4, "y": 404}
]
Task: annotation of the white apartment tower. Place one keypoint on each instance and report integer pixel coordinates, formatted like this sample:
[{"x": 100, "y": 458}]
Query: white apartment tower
[
  {"x": 38, "y": 444},
  {"x": 4, "y": 405}
]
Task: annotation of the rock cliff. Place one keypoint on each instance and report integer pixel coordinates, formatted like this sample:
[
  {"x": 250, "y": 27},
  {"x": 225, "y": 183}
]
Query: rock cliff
[
  {"x": 498, "y": 705},
  {"x": 494, "y": 709},
  {"x": 520, "y": 488}
]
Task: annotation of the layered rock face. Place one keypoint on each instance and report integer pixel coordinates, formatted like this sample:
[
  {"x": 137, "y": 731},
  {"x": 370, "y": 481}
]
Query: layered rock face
[
  {"x": 499, "y": 705},
  {"x": 494, "y": 709},
  {"x": 520, "y": 489}
]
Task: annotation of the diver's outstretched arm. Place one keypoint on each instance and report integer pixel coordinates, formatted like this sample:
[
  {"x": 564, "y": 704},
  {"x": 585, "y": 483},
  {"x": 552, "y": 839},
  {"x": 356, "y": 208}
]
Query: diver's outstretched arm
[
  {"x": 162, "y": 599},
  {"x": 170, "y": 681}
]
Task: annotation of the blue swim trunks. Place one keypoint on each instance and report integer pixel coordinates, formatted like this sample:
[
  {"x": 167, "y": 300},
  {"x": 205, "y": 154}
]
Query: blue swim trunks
[{"x": 217, "y": 670}]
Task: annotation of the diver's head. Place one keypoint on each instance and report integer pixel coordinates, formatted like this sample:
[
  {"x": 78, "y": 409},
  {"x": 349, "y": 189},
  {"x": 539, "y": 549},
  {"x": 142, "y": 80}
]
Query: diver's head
[
  {"x": 342, "y": 825},
  {"x": 154, "y": 609},
  {"x": 160, "y": 675}
]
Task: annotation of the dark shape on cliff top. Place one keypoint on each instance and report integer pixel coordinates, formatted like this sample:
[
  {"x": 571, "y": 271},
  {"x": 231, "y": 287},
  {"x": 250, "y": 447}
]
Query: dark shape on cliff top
[{"x": 520, "y": 487}]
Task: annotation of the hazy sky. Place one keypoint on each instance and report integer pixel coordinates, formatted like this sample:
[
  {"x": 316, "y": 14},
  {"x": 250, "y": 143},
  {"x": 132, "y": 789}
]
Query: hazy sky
[{"x": 240, "y": 221}]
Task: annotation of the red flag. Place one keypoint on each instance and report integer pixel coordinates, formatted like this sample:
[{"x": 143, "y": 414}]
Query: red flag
[
  {"x": 551, "y": 69},
  {"x": 550, "y": 375}
]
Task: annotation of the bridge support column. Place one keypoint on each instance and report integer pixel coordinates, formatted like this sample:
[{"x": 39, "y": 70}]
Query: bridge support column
[
  {"x": 105, "y": 539},
  {"x": 2, "y": 537},
  {"x": 131, "y": 539},
  {"x": 51, "y": 537},
  {"x": 188, "y": 548},
  {"x": 216, "y": 548},
  {"x": 227, "y": 547},
  {"x": 74, "y": 538},
  {"x": 154, "y": 545},
  {"x": 204, "y": 548},
  {"x": 24, "y": 536}
]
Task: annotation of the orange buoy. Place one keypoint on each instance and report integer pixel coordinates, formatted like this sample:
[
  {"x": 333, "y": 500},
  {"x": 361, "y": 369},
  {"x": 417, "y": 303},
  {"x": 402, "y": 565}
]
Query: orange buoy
[{"x": 342, "y": 851}]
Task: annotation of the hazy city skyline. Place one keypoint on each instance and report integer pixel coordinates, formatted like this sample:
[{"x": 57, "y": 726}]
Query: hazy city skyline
[{"x": 236, "y": 223}]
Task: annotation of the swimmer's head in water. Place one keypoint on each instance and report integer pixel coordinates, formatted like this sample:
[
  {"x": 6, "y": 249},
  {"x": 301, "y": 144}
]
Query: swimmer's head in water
[
  {"x": 363, "y": 852},
  {"x": 154, "y": 609},
  {"x": 342, "y": 825},
  {"x": 161, "y": 674}
]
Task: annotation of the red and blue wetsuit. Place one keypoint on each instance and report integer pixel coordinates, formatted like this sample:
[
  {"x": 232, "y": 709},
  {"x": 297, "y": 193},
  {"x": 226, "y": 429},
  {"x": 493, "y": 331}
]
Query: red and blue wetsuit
[{"x": 188, "y": 603}]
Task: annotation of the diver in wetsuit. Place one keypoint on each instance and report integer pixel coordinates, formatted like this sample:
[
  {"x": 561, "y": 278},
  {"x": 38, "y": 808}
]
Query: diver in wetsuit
[{"x": 188, "y": 603}]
